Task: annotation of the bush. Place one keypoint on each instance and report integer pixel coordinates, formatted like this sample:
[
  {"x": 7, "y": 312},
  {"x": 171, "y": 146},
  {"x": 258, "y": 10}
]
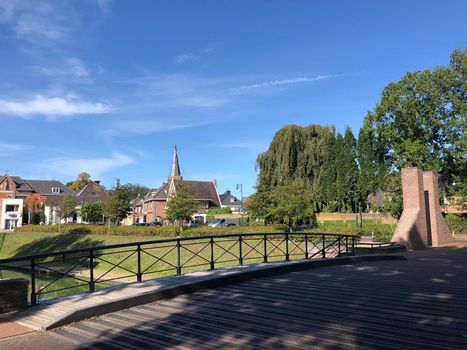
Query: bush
[
  {"x": 156, "y": 231},
  {"x": 383, "y": 232},
  {"x": 457, "y": 223}
]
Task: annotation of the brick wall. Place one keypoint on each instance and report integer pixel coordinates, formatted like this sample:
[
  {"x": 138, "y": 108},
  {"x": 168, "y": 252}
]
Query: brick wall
[{"x": 13, "y": 295}]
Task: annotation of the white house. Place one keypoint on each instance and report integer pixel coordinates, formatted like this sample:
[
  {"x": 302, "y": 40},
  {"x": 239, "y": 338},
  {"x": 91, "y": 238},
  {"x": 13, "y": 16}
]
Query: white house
[{"x": 11, "y": 213}]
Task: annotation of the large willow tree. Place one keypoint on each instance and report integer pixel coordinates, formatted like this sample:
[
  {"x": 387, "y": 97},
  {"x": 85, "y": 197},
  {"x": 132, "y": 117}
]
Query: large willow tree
[{"x": 313, "y": 159}]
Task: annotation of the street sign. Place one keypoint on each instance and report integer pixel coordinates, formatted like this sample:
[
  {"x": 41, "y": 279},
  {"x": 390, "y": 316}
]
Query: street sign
[{"x": 242, "y": 211}]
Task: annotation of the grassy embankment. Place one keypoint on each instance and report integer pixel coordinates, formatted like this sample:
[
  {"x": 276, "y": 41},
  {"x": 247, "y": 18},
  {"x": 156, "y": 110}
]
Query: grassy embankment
[{"x": 160, "y": 259}]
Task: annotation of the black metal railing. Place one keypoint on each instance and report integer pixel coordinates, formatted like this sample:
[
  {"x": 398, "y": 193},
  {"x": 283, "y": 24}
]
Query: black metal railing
[{"x": 57, "y": 273}]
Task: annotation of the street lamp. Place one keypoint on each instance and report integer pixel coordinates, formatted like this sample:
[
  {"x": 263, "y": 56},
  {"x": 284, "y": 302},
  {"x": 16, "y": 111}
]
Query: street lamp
[{"x": 240, "y": 187}]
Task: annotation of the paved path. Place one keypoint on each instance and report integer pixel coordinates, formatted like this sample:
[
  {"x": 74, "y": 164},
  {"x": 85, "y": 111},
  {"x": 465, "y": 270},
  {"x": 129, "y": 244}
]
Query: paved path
[{"x": 416, "y": 304}]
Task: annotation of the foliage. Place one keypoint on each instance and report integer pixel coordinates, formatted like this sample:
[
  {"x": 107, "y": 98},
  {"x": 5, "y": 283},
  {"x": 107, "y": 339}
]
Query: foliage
[
  {"x": 421, "y": 120},
  {"x": 216, "y": 211},
  {"x": 316, "y": 157},
  {"x": 181, "y": 205},
  {"x": 92, "y": 211},
  {"x": 67, "y": 207},
  {"x": 291, "y": 205},
  {"x": 81, "y": 180},
  {"x": 117, "y": 207},
  {"x": 457, "y": 223},
  {"x": 132, "y": 191}
]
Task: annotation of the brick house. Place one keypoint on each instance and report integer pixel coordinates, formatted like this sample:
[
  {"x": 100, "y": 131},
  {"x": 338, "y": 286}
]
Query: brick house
[{"x": 152, "y": 206}]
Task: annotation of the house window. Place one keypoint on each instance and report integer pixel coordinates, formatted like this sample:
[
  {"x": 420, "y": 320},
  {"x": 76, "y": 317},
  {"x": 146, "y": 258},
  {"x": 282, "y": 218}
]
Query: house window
[
  {"x": 232, "y": 199},
  {"x": 204, "y": 204},
  {"x": 11, "y": 208},
  {"x": 55, "y": 190}
]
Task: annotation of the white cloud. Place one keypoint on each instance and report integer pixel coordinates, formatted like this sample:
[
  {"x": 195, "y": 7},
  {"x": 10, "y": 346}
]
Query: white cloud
[
  {"x": 95, "y": 166},
  {"x": 37, "y": 27},
  {"x": 180, "y": 91},
  {"x": 183, "y": 58},
  {"x": 10, "y": 148},
  {"x": 52, "y": 107},
  {"x": 144, "y": 127},
  {"x": 272, "y": 83},
  {"x": 70, "y": 67},
  {"x": 253, "y": 145}
]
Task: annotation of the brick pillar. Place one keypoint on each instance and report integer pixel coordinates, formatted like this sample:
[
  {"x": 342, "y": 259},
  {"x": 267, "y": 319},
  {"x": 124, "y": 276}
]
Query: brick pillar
[
  {"x": 412, "y": 228},
  {"x": 13, "y": 294},
  {"x": 439, "y": 230}
]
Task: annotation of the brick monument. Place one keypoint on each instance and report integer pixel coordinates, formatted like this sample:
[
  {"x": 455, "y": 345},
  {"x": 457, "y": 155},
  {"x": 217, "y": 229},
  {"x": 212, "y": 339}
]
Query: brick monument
[{"x": 421, "y": 224}]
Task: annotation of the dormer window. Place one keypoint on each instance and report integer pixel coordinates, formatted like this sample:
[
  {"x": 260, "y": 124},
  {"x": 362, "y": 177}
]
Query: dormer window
[
  {"x": 55, "y": 190},
  {"x": 232, "y": 200}
]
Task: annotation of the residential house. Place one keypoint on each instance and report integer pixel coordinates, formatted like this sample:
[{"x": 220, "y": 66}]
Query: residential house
[
  {"x": 92, "y": 192},
  {"x": 228, "y": 200},
  {"x": 152, "y": 206}
]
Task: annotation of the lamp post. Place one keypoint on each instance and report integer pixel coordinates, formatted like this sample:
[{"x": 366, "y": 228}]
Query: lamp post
[{"x": 240, "y": 187}]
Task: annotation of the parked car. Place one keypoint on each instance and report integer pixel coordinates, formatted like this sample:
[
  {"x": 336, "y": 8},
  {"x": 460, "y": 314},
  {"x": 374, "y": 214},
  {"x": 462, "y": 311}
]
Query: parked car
[
  {"x": 224, "y": 222},
  {"x": 140, "y": 224},
  {"x": 155, "y": 223},
  {"x": 194, "y": 223}
]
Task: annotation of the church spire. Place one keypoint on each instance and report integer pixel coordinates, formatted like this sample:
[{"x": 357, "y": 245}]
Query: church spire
[{"x": 175, "y": 169}]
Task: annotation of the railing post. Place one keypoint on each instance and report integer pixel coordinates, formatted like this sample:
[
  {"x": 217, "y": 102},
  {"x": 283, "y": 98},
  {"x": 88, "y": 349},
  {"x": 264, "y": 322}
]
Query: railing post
[
  {"x": 306, "y": 245},
  {"x": 240, "y": 253},
  {"x": 33, "y": 283},
  {"x": 139, "y": 276},
  {"x": 324, "y": 247},
  {"x": 339, "y": 245},
  {"x": 91, "y": 271},
  {"x": 265, "y": 257},
  {"x": 179, "y": 267},
  {"x": 287, "y": 247},
  {"x": 212, "y": 254}
]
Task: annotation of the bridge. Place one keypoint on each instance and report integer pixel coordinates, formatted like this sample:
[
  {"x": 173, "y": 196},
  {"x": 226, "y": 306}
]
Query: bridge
[{"x": 412, "y": 300}]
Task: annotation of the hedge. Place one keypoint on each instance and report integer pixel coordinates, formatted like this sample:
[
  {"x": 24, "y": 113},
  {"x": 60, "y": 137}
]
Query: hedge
[
  {"x": 383, "y": 232},
  {"x": 157, "y": 231},
  {"x": 457, "y": 223}
]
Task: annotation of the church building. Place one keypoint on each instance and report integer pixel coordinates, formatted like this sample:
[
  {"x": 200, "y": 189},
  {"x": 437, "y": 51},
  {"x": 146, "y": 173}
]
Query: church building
[{"x": 151, "y": 207}]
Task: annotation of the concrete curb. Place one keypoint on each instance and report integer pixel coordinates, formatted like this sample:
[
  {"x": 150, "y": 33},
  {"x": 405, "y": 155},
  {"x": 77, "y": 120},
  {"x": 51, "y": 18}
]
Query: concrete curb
[{"x": 212, "y": 281}]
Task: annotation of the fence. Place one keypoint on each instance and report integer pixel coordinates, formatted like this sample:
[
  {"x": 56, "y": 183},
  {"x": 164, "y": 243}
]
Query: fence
[{"x": 78, "y": 270}]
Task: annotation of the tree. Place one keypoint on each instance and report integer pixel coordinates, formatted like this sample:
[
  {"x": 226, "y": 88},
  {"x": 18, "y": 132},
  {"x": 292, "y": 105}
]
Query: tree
[
  {"x": 117, "y": 207},
  {"x": 325, "y": 163},
  {"x": 290, "y": 204},
  {"x": 81, "y": 180},
  {"x": 66, "y": 208},
  {"x": 133, "y": 191},
  {"x": 181, "y": 205},
  {"x": 92, "y": 211},
  {"x": 421, "y": 120}
]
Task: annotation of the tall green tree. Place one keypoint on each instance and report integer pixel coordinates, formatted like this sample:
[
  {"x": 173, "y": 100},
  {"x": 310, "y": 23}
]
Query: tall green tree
[
  {"x": 117, "y": 206},
  {"x": 92, "y": 211},
  {"x": 133, "y": 191},
  {"x": 421, "y": 120},
  {"x": 181, "y": 205}
]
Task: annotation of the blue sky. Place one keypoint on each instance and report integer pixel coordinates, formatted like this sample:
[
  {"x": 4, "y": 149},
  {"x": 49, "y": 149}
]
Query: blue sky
[{"x": 109, "y": 87}]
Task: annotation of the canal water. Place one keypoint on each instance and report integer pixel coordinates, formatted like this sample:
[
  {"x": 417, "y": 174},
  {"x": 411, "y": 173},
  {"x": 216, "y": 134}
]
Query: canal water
[{"x": 63, "y": 286}]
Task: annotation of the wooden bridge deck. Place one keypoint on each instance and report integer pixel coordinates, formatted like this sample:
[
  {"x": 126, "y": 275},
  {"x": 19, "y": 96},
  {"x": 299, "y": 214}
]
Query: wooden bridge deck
[{"x": 420, "y": 303}]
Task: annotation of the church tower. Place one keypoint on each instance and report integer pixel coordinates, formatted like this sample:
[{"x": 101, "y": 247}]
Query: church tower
[{"x": 175, "y": 169}]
